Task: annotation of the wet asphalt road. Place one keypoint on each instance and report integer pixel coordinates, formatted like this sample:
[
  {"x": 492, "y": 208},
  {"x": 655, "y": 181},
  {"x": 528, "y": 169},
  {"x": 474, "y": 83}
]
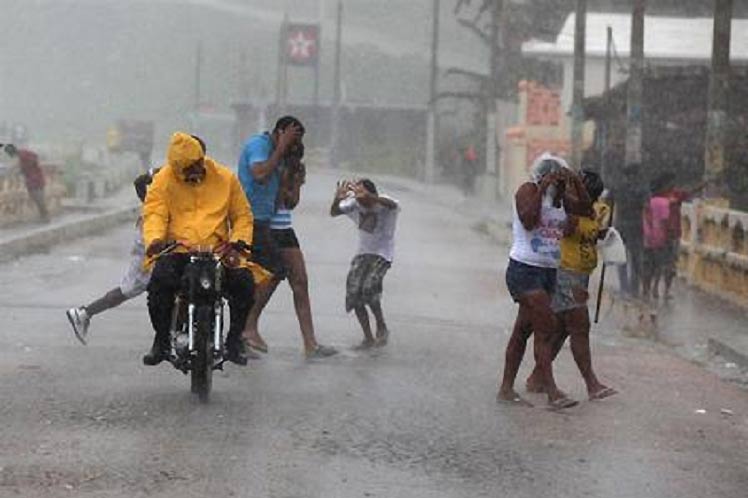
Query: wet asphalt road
[{"x": 416, "y": 419}]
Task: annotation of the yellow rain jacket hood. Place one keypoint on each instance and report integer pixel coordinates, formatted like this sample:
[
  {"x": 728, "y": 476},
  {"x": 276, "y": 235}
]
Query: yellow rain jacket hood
[
  {"x": 204, "y": 214},
  {"x": 183, "y": 151}
]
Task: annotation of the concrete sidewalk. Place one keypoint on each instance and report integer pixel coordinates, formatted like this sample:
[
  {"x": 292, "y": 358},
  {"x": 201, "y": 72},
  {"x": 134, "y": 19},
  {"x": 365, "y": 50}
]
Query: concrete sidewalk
[{"x": 700, "y": 325}]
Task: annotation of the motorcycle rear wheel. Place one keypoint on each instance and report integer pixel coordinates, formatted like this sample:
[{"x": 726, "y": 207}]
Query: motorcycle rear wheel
[{"x": 202, "y": 362}]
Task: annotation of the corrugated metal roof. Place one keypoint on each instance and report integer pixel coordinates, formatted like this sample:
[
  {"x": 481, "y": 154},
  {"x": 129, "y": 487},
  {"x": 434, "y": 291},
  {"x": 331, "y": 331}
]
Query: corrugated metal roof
[{"x": 664, "y": 37}]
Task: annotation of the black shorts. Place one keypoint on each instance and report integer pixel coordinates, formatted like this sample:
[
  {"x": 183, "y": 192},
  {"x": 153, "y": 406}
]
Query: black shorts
[
  {"x": 522, "y": 278},
  {"x": 285, "y": 238},
  {"x": 266, "y": 251}
]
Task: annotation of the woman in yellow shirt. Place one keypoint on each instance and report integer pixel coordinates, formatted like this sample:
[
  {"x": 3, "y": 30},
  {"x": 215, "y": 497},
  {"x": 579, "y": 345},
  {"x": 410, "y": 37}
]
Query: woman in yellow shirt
[{"x": 569, "y": 302}]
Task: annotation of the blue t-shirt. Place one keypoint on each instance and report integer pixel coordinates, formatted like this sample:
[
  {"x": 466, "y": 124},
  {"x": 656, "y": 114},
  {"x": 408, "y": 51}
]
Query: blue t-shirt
[{"x": 261, "y": 196}]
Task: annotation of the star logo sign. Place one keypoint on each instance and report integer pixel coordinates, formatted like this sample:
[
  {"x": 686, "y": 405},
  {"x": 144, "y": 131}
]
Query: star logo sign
[{"x": 301, "y": 46}]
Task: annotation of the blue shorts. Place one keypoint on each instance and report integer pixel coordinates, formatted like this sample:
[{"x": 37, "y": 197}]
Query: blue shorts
[{"x": 522, "y": 278}]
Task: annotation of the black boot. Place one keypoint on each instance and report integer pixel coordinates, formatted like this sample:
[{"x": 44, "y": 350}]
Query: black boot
[
  {"x": 159, "y": 351},
  {"x": 235, "y": 350}
]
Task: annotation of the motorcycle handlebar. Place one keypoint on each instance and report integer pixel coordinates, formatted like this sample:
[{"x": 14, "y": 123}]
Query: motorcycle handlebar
[{"x": 171, "y": 246}]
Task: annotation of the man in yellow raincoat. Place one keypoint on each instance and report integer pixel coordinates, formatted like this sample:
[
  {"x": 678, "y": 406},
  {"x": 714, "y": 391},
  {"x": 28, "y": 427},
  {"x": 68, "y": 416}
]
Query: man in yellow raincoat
[{"x": 197, "y": 202}]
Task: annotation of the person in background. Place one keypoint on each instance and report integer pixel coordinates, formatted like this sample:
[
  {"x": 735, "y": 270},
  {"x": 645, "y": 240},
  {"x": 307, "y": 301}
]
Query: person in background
[
  {"x": 33, "y": 175},
  {"x": 676, "y": 197},
  {"x": 629, "y": 198},
  {"x": 655, "y": 228},
  {"x": 375, "y": 215},
  {"x": 133, "y": 283},
  {"x": 469, "y": 169}
]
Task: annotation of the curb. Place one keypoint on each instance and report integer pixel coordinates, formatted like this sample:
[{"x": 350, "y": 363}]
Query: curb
[
  {"x": 42, "y": 239},
  {"x": 717, "y": 346}
]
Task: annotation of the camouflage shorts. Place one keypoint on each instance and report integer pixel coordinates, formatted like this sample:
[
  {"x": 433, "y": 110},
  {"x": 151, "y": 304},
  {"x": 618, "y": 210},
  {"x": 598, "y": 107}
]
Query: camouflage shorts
[
  {"x": 364, "y": 283},
  {"x": 571, "y": 291}
]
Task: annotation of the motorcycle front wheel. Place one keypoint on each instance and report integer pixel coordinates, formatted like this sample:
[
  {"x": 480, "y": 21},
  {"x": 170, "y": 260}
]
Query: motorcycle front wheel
[{"x": 202, "y": 359}]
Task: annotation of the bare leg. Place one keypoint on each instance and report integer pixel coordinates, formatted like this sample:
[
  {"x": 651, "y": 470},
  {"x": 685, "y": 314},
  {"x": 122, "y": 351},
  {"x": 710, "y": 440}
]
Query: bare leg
[
  {"x": 537, "y": 309},
  {"x": 647, "y": 277},
  {"x": 382, "y": 330},
  {"x": 579, "y": 329},
  {"x": 656, "y": 275},
  {"x": 669, "y": 283},
  {"x": 37, "y": 195},
  {"x": 251, "y": 333},
  {"x": 363, "y": 319},
  {"x": 293, "y": 259},
  {"x": 534, "y": 383},
  {"x": 515, "y": 350},
  {"x": 111, "y": 299}
]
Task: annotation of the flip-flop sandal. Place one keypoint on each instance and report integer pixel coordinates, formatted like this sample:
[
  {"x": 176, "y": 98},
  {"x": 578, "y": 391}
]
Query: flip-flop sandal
[
  {"x": 603, "y": 393},
  {"x": 262, "y": 348},
  {"x": 515, "y": 401},
  {"x": 562, "y": 404}
]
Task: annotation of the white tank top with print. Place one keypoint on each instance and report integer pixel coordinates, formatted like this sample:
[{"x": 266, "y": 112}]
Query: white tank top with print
[{"x": 540, "y": 246}]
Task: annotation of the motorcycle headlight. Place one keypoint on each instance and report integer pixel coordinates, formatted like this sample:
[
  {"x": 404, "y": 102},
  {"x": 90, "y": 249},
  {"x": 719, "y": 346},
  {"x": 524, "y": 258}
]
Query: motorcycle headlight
[{"x": 205, "y": 282}]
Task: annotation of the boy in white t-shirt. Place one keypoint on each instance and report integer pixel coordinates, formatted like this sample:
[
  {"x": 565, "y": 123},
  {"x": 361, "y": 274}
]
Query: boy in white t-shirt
[
  {"x": 133, "y": 283},
  {"x": 375, "y": 216}
]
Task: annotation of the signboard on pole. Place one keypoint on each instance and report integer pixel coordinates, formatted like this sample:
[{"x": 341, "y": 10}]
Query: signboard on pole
[{"x": 302, "y": 44}]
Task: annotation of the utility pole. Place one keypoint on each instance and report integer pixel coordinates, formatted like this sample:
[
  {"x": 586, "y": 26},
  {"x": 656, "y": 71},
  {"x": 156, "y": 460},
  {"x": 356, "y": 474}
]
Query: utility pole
[
  {"x": 605, "y": 132},
  {"x": 719, "y": 90},
  {"x": 609, "y": 61},
  {"x": 635, "y": 86},
  {"x": 577, "y": 109},
  {"x": 281, "y": 83},
  {"x": 318, "y": 63},
  {"x": 335, "y": 121},
  {"x": 498, "y": 7},
  {"x": 432, "y": 123},
  {"x": 198, "y": 74}
]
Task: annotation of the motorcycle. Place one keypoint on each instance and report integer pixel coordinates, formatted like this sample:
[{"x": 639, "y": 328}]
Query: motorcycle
[{"x": 197, "y": 342}]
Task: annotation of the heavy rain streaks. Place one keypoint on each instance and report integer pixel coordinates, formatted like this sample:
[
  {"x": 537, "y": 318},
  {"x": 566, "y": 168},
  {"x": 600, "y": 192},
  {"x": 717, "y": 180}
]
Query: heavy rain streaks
[{"x": 336, "y": 248}]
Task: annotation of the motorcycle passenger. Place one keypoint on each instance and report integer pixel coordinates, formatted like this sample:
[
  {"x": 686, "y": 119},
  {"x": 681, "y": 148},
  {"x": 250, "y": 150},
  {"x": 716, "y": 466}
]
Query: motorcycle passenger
[{"x": 199, "y": 203}]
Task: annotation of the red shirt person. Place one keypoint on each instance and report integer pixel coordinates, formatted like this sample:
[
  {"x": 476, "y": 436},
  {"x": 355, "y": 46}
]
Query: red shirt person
[{"x": 33, "y": 175}]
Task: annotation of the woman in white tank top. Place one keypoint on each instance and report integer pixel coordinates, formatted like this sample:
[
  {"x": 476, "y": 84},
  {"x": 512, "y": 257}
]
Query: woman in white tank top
[{"x": 537, "y": 226}]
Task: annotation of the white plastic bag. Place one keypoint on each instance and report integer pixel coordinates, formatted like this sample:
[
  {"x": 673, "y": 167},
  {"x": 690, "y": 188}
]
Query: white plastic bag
[{"x": 612, "y": 249}]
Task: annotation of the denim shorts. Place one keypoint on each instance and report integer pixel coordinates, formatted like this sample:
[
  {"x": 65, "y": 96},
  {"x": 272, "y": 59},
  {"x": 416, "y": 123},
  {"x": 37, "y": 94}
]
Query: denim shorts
[{"x": 522, "y": 278}]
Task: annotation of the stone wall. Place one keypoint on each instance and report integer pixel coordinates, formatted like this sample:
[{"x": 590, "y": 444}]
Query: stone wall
[{"x": 714, "y": 250}]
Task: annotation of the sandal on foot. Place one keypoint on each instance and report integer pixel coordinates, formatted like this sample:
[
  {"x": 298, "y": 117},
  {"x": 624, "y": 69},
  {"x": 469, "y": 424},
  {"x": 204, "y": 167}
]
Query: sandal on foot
[
  {"x": 603, "y": 393},
  {"x": 562, "y": 403},
  {"x": 516, "y": 400},
  {"x": 321, "y": 352},
  {"x": 250, "y": 351},
  {"x": 257, "y": 346}
]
